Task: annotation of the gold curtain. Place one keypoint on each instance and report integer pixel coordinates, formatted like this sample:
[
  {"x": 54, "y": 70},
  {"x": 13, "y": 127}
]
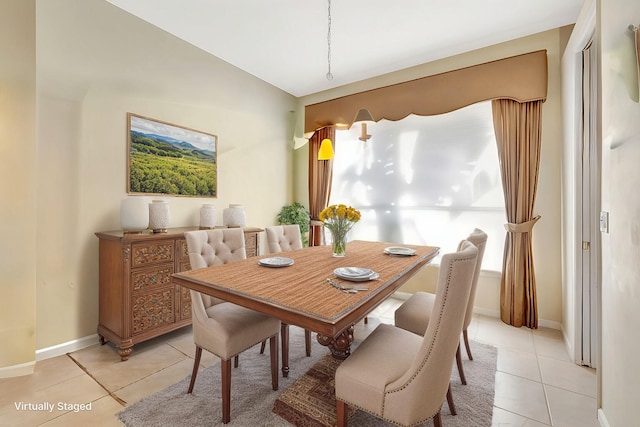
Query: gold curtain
[
  {"x": 320, "y": 177},
  {"x": 518, "y": 135}
]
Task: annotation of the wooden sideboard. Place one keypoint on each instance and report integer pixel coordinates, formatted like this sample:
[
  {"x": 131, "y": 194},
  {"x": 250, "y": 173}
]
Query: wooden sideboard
[{"x": 138, "y": 300}]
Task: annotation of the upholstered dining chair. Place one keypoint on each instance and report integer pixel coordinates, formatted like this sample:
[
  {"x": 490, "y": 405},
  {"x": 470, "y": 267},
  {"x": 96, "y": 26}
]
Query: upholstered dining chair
[
  {"x": 220, "y": 327},
  {"x": 414, "y": 314},
  {"x": 284, "y": 238},
  {"x": 400, "y": 376}
]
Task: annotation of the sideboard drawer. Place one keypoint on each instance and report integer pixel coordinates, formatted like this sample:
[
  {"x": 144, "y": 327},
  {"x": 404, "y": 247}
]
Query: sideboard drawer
[
  {"x": 150, "y": 253},
  {"x": 149, "y": 278},
  {"x": 152, "y": 310}
]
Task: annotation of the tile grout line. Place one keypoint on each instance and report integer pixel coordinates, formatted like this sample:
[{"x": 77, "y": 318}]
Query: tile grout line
[
  {"x": 109, "y": 392},
  {"x": 544, "y": 389}
]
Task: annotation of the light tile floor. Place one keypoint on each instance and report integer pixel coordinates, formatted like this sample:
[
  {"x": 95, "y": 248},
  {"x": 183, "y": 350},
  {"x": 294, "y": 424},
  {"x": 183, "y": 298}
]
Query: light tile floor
[{"x": 536, "y": 383}]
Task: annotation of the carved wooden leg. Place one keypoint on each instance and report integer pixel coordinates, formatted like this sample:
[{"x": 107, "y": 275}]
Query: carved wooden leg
[
  {"x": 340, "y": 346},
  {"x": 196, "y": 365},
  {"x": 124, "y": 353},
  {"x": 460, "y": 369},
  {"x": 452, "y": 406},
  {"x": 273, "y": 352},
  {"x": 225, "y": 366},
  {"x": 466, "y": 344},
  {"x": 284, "y": 336},
  {"x": 341, "y": 413}
]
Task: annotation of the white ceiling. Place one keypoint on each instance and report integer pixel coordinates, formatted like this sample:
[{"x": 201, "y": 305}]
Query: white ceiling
[{"x": 284, "y": 42}]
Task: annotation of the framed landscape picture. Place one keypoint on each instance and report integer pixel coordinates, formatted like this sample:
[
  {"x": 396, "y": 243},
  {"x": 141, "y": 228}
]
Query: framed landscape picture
[{"x": 168, "y": 159}]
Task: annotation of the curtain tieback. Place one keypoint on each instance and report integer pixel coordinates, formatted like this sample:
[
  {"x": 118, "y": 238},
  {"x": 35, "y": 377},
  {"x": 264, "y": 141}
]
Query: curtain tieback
[{"x": 522, "y": 227}]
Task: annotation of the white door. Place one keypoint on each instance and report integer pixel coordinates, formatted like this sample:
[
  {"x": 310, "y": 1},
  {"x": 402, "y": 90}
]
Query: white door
[{"x": 590, "y": 211}]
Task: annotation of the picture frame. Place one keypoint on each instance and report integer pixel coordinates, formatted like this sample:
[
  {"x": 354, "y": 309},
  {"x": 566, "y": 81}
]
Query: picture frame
[{"x": 168, "y": 159}]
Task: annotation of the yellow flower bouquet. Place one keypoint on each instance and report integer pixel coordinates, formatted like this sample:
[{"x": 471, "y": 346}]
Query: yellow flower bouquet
[{"x": 339, "y": 219}]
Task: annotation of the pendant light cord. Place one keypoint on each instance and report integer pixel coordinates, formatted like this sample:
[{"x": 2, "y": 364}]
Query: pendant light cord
[{"x": 329, "y": 75}]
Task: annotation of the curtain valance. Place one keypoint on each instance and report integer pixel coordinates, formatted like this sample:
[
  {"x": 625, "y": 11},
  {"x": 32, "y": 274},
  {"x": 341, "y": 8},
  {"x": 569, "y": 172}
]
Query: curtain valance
[{"x": 521, "y": 78}]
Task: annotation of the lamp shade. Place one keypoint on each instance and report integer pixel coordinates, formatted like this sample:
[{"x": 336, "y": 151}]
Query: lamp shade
[
  {"x": 326, "y": 150},
  {"x": 363, "y": 116}
]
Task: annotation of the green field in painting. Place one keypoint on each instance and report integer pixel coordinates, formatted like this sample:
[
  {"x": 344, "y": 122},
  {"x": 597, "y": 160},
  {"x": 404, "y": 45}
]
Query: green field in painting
[{"x": 162, "y": 168}]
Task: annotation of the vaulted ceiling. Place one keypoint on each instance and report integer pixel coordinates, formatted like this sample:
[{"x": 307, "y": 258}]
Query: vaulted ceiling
[{"x": 285, "y": 42}]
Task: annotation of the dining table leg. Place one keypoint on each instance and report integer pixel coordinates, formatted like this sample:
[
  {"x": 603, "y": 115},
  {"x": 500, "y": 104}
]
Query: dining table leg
[
  {"x": 340, "y": 345},
  {"x": 284, "y": 336}
]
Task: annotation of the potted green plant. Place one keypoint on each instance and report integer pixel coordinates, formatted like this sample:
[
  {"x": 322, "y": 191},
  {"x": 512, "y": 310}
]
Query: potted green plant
[{"x": 296, "y": 214}]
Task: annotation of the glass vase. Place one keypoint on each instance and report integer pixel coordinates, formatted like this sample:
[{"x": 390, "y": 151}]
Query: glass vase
[{"x": 338, "y": 244}]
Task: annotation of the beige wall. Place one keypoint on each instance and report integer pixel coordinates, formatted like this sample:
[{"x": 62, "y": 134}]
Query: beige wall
[
  {"x": 546, "y": 239},
  {"x": 95, "y": 64},
  {"x": 620, "y": 393},
  {"x": 17, "y": 184}
]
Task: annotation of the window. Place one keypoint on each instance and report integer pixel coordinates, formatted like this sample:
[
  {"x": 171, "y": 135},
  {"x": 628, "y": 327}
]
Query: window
[{"x": 424, "y": 180}]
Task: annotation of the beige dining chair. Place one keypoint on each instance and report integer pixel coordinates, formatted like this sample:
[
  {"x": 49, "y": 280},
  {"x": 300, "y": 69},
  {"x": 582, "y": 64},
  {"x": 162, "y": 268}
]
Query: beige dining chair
[
  {"x": 220, "y": 327},
  {"x": 400, "y": 376},
  {"x": 284, "y": 238},
  {"x": 414, "y": 314}
]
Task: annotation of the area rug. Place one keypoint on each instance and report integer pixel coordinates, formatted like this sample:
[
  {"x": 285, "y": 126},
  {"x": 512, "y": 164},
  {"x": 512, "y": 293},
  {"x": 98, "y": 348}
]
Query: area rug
[
  {"x": 252, "y": 399},
  {"x": 310, "y": 401}
]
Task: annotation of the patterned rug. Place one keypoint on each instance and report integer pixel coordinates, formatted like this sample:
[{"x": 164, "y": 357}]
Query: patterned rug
[
  {"x": 310, "y": 400},
  {"x": 253, "y": 401}
]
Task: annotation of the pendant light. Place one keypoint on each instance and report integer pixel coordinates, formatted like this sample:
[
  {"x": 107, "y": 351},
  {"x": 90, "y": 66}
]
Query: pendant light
[
  {"x": 326, "y": 150},
  {"x": 364, "y": 118}
]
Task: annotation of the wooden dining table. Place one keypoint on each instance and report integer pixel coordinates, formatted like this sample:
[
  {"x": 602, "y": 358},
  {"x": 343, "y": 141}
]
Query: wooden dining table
[{"x": 300, "y": 295}]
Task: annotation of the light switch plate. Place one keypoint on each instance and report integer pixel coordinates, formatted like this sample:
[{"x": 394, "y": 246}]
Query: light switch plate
[{"x": 604, "y": 222}]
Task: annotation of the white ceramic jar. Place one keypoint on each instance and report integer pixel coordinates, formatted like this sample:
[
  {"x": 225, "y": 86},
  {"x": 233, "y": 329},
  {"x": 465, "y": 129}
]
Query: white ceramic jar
[
  {"x": 234, "y": 216},
  {"x": 207, "y": 216},
  {"x": 159, "y": 216},
  {"x": 134, "y": 214}
]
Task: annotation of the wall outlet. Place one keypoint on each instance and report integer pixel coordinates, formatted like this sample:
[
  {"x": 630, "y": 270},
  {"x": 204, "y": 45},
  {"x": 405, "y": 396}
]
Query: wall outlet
[{"x": 604, "y": 222}]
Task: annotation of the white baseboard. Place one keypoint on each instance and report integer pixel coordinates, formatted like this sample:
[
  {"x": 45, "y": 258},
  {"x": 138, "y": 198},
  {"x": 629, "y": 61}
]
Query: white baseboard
[
  {"x": 552, "y": 324},
  {"x": 66, "y": 347},
  {"x": 495, "y": 313},
  {"x": 17, "y": 370},
  {"x": 602, "y": 419},
  {"x": 486, "y": 312}
]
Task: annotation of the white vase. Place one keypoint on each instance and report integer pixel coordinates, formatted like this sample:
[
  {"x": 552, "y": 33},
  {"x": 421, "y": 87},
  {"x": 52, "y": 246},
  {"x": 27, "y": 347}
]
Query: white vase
[
  {"x": 207, "y": 217},
  {"x": 159, "y": 216},
  {"x": 234, "y": 216},
  {"x": 134, "y": 214}
]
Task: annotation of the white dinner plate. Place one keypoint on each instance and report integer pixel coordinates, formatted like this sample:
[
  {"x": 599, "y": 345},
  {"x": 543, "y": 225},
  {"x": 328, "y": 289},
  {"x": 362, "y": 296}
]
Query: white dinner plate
[
  {"x": 399, "y": 251},
  {"x": 352, "y": 272},
  {"x": 277, "y": 261},
  {"x": 355, "y": 274}
]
